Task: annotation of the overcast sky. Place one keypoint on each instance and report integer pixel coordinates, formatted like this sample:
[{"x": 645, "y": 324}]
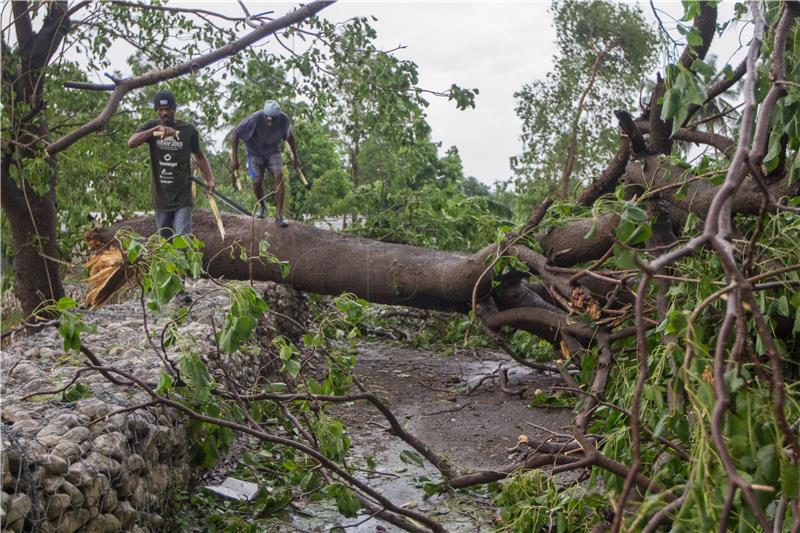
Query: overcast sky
[{"x": 495, "y": 47}]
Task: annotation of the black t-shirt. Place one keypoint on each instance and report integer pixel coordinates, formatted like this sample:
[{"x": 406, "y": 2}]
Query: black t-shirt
[{"x": 170, "y": 164}]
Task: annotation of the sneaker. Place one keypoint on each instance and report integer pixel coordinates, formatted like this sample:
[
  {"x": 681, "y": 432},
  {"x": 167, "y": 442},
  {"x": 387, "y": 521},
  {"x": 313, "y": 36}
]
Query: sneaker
[
  {"x": 184, "y": 297},
  {"x": 280, "y": 221},
  {"x": 262, "y": 212}
]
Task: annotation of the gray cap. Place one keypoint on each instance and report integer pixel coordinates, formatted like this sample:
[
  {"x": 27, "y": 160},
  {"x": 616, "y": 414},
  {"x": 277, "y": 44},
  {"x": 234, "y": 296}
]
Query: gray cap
[{"x": 271, "y": 108}]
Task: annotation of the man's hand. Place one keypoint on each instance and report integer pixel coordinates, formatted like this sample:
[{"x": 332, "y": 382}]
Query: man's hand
[
  {"x": 234, "y": 165},
  {"x": 164, "y": 131},
  {"x": 210, "y": 185}
]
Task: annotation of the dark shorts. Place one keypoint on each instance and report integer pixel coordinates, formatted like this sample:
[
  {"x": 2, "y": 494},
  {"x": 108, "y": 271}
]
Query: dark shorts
[{"x": 256, "y": 165}]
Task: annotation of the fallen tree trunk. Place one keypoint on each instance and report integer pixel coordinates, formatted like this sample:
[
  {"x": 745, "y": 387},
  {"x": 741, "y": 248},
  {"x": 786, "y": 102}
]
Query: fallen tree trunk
[{"x": 326, "y": 262}]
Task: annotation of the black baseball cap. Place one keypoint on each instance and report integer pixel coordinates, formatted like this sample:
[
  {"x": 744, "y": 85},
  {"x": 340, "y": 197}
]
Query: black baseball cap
[{"x": 164, "y": 98}]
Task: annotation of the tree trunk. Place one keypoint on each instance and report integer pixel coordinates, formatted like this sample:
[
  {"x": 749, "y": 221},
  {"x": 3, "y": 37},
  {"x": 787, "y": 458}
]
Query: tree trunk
[
  {"x": 33, "y": 230},
  {"x": 326, "y": 262},
  {"x": 32, "y": 216}
]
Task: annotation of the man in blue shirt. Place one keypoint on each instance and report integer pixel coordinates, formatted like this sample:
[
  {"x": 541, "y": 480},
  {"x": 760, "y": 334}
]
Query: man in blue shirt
[{"x": 263, "y": 134}]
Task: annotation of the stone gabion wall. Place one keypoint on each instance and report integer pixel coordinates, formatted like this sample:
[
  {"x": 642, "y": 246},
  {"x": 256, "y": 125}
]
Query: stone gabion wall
[
  {"x": 290, "y": 309},
  {"x": 89, "y": 465},
  {"x": 78, "y": 466},
  {"x": 82, "y": 468}
]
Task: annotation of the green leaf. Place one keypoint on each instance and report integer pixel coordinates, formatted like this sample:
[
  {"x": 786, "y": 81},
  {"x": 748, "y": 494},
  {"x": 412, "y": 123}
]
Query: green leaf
[
  {"x": 346, "y": 501},
  {"x": 195, "y": 373},
  {"x": 639, "y": 235},
  {"x": 70, "y": 328},
  {"x": 249, "y": 459},
  {"x": 74, "y": 393},
  {"x": 634, "y": 213},
  {"x": 773, "y": 156},
  {"x": 660, "y": 427},
  {"x": 623, "y": 257},
  {"x": 672, "y": 104},
  {"x": 681, "y": 193},
  {"x": 693, "y": 38},
  {"x": 790, "y": 479},
  {"x": 734, "y": 381},
  {"x": 310, "y": 481},
  {"x": 794, "y": 173},
  {"x": 677, "y": 321},
  {"x": 768, "y": 466},
  {"x": 313, "y": 340},
  {"x": 210, "y": 451},
  {"x": 164, "y": 384},
  {"x": 291, "y": 367},
  {"x": 409, "y": 457},
  {"x": 691, "y": 9},
  {"x": 727, "y": 72},
  {"x": 783, "y": 305},
  {"x": 170, "y": 335},
  {"x": 65, "y": 303},
  {"x": 195, "y": 264},
  {"x": 592, "y": 233}
]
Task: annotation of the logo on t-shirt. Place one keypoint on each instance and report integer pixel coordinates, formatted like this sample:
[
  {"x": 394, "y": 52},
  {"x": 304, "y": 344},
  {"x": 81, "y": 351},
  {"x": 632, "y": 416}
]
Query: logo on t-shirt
[{"x": 166, "y": 164}]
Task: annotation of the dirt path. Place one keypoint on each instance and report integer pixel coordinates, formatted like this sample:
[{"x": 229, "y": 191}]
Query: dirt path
[{"x": 427, "y": 392}]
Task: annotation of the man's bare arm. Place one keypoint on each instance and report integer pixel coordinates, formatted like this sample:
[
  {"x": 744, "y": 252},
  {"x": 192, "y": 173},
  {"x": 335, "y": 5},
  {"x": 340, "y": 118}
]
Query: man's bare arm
[
  {"x": 205, "y": 169},
  {"x": 234, "y": 152},
  {"x": 141, "y": 137}
]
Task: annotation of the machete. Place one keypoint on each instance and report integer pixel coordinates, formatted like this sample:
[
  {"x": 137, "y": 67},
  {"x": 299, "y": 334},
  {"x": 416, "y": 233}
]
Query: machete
[
  {"x": 225, "y": 200},
  {"x": 303, "y": 178}
]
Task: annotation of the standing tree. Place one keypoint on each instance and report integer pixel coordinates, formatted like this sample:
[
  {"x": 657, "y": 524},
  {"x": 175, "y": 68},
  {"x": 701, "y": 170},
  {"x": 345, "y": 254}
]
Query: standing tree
[{"x": 604, "y": 53}]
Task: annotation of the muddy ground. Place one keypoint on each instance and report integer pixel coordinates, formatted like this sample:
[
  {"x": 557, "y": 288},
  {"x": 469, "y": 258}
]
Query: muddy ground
[{"x": 428, "y": 394}]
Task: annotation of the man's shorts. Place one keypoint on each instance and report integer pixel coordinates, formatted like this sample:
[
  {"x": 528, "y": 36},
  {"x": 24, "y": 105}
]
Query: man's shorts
[{"x": 256, "y": 165}]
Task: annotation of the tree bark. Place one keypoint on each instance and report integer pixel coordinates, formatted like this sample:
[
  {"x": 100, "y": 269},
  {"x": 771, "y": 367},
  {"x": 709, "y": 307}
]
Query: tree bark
[
  {"x": 32, "y": 215},
  {"x": 33, "y": 232},
  {"x": 326, "y": 262}
]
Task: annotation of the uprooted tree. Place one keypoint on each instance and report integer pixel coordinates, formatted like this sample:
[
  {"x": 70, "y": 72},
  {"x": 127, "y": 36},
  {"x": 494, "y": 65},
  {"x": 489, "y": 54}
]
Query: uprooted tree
[
  {"x": 681, "y": 284},
  {"x": 672, "y": 305}
]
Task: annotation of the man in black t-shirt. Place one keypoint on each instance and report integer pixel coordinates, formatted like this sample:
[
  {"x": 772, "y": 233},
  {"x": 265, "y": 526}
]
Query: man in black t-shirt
[
  {"x": 172, "y": 143},
  {"x": 263, "y": 134}
]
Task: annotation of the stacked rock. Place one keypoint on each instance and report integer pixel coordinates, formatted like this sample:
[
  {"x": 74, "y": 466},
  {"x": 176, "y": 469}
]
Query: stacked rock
[
  {"x": 88, "y": 469},
  {"x": 89, "y": 461}
]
